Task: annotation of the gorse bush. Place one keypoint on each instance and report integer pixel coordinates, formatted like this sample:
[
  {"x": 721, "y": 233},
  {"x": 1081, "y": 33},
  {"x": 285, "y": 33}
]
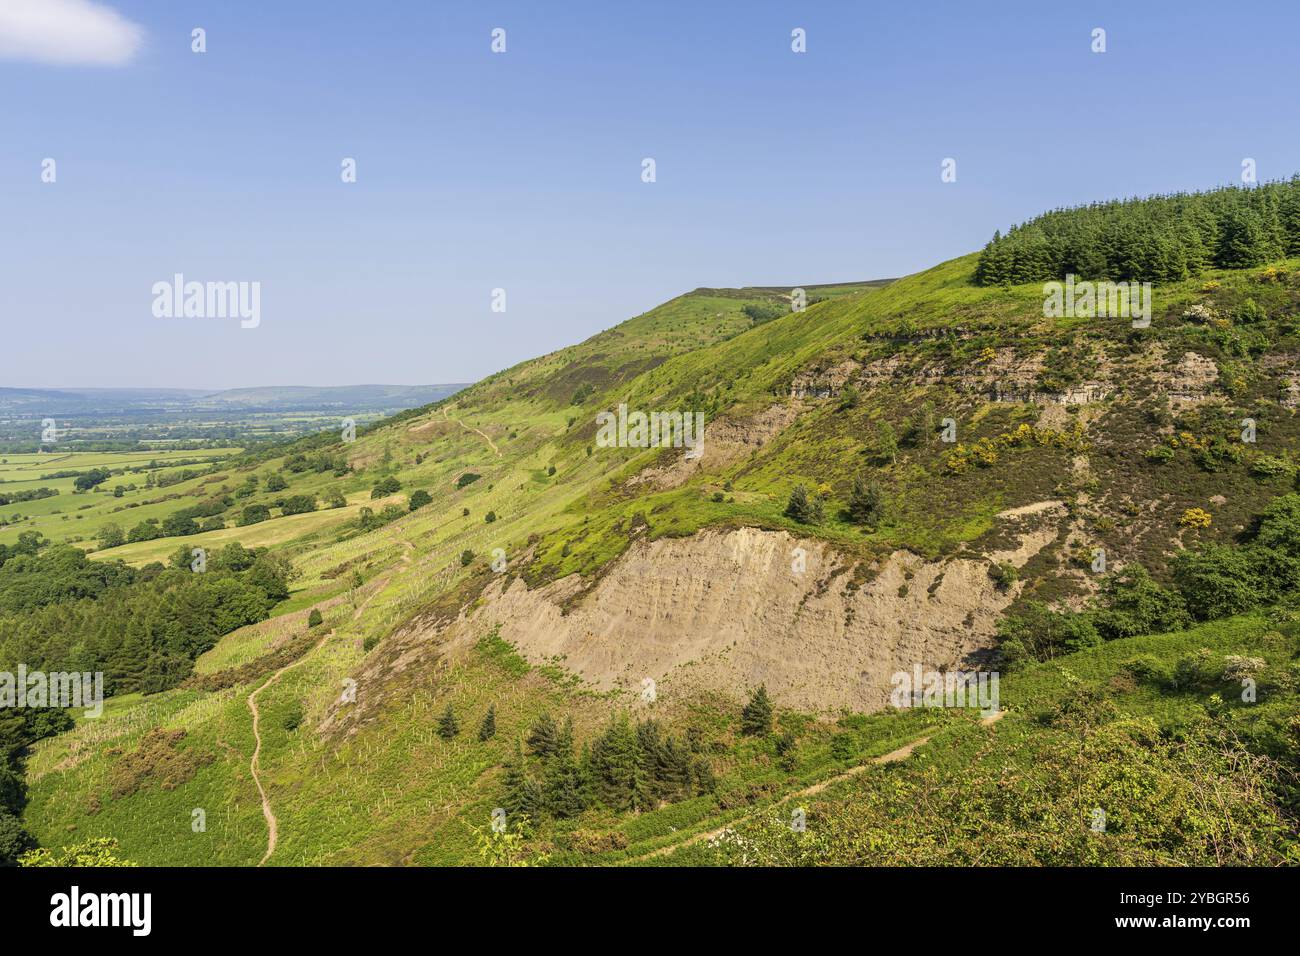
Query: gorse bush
[{"x": 1209, "y": 582}]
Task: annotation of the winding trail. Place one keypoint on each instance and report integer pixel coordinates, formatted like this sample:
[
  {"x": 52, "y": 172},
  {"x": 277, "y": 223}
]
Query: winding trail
[
  {"x": 272, "y": 824},
  {"x": 894, "y": 756},
  {"x": 470, "y": 428}
]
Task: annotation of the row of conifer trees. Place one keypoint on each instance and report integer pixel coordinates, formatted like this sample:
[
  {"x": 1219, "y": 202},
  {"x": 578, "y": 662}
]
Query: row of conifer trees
[
  {"x": 1157, "y": 239},
  {"x": 630, "y": 765}
]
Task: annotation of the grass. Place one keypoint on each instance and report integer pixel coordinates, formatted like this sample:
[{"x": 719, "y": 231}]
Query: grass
[{"x": 394, "y": 792}]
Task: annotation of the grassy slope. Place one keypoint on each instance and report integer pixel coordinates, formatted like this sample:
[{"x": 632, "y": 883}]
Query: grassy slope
[
  {"x": 395, "y": 792},
  {"x": 1011, "y": 747}
]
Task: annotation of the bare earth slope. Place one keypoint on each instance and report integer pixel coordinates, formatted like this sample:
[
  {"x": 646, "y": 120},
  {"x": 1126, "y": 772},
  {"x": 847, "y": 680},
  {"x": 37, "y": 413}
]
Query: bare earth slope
[{"x": 727, "y": 609}]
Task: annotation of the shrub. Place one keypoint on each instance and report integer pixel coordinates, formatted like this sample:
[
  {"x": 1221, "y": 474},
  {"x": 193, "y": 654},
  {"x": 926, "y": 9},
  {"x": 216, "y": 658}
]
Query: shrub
[
  {"x": 1216, "y": 581},
  {"x": 448, "y": 727},
  {"x": 385, "y": 487},
  {"x": 1278, "y": 526},
  {"x": 292, "y": 718},
  {"x": 254, "y": 514},
  {"x": 1135, "y": 604},
  {"x": 298, "y": 504},
  {"x": 1271, "y": 466},
  {"x": 1197, "y": 670},
  {"x": 1148, "y": 670},
  {"x": 1004, "y": 575},
  {"x": 844, "y": 746},
  {"x": 99, "y": 852},
  {"x": 1237, "y": 668},
  {"x": 761, "y": 312},
  {"x": 802, "y": 508},
  {"x": 1038, "y": 633}
]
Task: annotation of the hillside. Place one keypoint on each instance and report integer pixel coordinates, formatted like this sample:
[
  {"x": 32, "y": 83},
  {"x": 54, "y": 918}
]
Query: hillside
[{"x": 964, "y": 460}]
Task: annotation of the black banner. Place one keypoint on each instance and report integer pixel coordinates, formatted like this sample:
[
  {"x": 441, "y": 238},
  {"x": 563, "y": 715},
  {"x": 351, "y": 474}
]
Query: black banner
[{"x": 138, "y": 905}]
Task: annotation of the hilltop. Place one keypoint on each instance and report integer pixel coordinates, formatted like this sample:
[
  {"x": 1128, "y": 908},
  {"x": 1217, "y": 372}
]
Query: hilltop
[{"x": 925, "y": 471}]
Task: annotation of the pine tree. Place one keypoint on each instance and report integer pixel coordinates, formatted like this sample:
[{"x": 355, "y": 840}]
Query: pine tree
[
  {"x": 542, "y": 736},
  {"x": 564, "y": 740},
  {"x": 447, "y": 725},
  {"x": 785, "y": 751},
  {"x": 488, "y": 729},
  {"x": 650, "y": 744},
  {"x": 1289, "y": 215},
  {"x": 566, "y": 792},
  {"x": 1242, "y": 242},
  {"x": 866, "y": 501},
  {"x": 523, "y": 796},
  {"x": 1160, "y": 238},
  {"x": 803, "y": 508},
  {"x": 702, "y": 776},
  {"x": 614, "y": 766},
  {"x": 674, "y": 770},
  {"x": 756, "y": 718}
]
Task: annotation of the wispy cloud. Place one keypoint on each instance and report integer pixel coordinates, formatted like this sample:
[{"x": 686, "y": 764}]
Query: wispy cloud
[{"x": 67, "y": 32}]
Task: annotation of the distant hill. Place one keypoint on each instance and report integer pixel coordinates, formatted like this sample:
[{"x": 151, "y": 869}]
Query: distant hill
[
  {"x": 59, "y": 401},
  {"x": 122, "y": 416},
  {"x": 344, "y": 396}
]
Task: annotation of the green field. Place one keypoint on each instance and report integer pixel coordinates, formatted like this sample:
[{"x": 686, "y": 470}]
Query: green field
[{"x": 73, "y": 516}]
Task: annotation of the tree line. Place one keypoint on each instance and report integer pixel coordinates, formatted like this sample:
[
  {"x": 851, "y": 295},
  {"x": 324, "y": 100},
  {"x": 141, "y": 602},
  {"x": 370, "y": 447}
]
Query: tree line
[
  {"x": 1158, "y": 239},
  {"x": 142, "y": 628}
]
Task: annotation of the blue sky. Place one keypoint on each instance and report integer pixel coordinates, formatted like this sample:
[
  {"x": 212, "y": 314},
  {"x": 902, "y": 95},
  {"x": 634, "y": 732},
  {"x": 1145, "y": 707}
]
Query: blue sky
[{"x": 522, "y": 170}]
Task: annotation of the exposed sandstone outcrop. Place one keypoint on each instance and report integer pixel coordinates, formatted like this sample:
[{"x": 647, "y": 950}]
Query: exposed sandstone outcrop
[
  {"x": 725, "y": 441},
  {"x": 726, "y": 610},
  {"x": 1191, "y": 380}
]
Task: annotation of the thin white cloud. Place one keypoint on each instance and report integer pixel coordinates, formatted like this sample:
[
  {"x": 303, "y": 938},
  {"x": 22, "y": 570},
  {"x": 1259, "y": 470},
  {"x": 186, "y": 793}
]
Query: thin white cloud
[{"x": 67, "y": 32}]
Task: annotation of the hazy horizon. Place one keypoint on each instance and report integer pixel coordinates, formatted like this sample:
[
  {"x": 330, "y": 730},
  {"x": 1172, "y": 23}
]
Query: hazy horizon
[{"x": 201, "y": 389}]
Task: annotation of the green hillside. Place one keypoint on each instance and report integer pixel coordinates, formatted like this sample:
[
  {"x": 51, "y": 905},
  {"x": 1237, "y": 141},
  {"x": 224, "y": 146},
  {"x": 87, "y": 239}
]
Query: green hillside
[{"x": 930, "y": 471}]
